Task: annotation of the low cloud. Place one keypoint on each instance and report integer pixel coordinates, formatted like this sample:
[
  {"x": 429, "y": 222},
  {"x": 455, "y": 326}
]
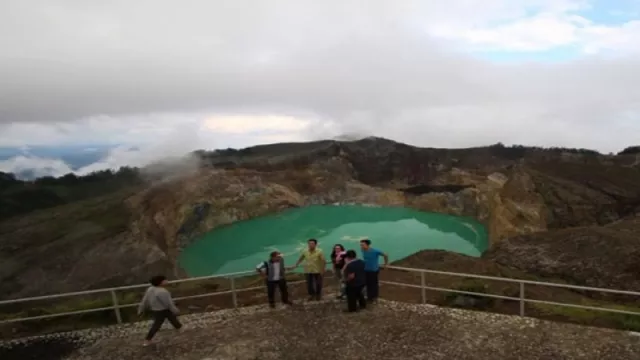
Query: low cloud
[
  {"x": 168, "y": 152},
  {"x": 155, "y": 166},
  {"x": 171, "y": 168},
  {"x": 33, "y": 166},
  {"x": 409, "y": 70}
]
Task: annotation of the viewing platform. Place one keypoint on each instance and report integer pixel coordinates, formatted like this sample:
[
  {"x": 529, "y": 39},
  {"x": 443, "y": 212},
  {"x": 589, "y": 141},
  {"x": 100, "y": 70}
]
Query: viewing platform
[{"x": 320, "y": 330}]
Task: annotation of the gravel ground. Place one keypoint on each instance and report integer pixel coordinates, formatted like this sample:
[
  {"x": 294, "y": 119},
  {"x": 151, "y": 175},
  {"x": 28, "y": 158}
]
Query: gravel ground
[{"x": 389, "y": 330}]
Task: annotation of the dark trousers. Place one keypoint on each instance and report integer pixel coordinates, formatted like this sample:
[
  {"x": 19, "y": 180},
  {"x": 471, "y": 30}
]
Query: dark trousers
[
  {"x": 371, "y": 279},
  {"x": 158, "y": 319},
  {"x": 314, "y": 284},
  {"x": 355, "y": 297},
  {"x": 340, "y": 281},
  {"x": 271, "y": 291}
]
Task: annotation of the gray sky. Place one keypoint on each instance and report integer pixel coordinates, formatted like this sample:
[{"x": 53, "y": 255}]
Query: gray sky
[{"x": 233, "y": 73}]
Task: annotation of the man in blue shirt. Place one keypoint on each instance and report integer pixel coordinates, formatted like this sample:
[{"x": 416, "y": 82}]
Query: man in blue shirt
[
  {"x": 354, "y": 279},
  {"x": 372, "y": 268}
]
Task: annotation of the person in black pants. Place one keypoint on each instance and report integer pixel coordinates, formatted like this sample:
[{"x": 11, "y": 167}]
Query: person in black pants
[
  {"x": 337, "y": 260},
  {"x": 372, "y": 268},
  {"x": 273, "y": 272},
  {"x": 354, "y": 277},
  {"x": 158, "y": 299}
]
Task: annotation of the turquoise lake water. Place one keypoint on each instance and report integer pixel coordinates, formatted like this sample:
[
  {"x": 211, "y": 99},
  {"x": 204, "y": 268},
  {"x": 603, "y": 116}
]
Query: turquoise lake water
[{"x": 397, "y": 231}]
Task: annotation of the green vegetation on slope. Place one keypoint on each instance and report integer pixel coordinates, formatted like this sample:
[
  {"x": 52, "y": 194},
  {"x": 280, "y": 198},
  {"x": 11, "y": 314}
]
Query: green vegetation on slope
[
  {"x": 21, "y": 197},
  {"x": 78, "y": 239},
  {"x": 545, "y": 311}
]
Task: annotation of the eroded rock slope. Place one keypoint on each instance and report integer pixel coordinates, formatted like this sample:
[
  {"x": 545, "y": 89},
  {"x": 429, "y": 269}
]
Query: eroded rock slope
[{"x": 544, "y": 210}]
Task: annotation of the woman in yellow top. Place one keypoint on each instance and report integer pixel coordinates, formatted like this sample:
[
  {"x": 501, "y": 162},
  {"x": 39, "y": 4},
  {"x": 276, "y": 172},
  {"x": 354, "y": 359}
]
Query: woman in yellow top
[{"x": 314, "y": 265}]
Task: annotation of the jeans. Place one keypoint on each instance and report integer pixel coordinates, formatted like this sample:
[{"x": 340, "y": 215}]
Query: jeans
[
  {"x": 158, "y": 319},
  {"x": 314, "y": 284},
  {"x": 371, "y": 278},
  {"x": 271, "y": 291},
  {"x": 355, "y": 297}
]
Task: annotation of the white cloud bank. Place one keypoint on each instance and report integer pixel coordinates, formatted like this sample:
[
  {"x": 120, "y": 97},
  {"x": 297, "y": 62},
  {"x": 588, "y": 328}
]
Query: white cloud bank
[
  {"x": 174, "y": 78},
  {"x": 168, "y": 142},
  {"x": 35, "y": 166}
]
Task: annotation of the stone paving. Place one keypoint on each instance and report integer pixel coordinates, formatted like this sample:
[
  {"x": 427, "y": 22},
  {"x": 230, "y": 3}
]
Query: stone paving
[{"x": 388, "y": 330}]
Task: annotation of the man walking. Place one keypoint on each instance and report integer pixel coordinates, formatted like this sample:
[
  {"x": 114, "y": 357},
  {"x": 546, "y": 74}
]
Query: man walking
[
  {"x": 314, "y": 266},
  {"x": 372, "y": 268},
  {"x": 354, "y": 277},
  {"x": 273, "y": 272},
  {"x": 158, "y": 299}
]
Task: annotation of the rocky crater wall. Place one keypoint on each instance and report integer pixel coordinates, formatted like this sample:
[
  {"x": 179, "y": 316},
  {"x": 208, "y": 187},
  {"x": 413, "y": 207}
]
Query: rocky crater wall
[{"x": 522, "y": 198}]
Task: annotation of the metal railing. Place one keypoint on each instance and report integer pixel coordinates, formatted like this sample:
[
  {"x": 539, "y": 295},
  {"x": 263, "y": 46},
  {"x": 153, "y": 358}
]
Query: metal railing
[
  {"x": 233, "y": 291},
  {"x": 116, "y": 306},
  {"x": 522, "y": 299}
]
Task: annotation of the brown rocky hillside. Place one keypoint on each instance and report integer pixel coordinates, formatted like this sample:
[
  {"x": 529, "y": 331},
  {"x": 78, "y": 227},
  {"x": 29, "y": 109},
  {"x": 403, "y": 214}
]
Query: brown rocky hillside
[{"x": 556, "y": 213}]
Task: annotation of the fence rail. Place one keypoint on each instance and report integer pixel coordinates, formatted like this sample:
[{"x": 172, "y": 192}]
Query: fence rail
[{"x": 233, "y": 292}]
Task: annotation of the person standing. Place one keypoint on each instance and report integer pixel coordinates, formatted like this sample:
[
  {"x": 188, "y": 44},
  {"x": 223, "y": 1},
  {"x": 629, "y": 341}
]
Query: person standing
[
  {"x": 337, "y": 260},
  {"x": 314, "y": 265},
  {"x": 273, "y": 272},
  {"x": 159, "y": 301},
  {"x": 354, "y": 278},
  {"x": 370, "y": 256}
]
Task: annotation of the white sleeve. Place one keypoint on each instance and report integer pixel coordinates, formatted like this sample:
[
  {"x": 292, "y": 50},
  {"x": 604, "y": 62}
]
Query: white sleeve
[{"x": 260, "y": 266}]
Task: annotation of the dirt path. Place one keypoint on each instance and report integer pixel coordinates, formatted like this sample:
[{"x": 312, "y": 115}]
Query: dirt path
[{"x": 389, "y": 331}]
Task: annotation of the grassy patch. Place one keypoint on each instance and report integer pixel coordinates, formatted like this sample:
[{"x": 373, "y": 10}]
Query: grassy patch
[
  {"x": 473, "y": 285},
  {"x": 593, "y": 317},
  {"x": 469, "y": 301}
]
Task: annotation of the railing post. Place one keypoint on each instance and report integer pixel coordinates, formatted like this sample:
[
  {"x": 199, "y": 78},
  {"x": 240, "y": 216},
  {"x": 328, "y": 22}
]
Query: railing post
[
  {"x": 116, "y": 306},
  {"x": 522, "y": 299},
  {"x": 234, "y": 295},
  {"x": 423, "y": 287}
]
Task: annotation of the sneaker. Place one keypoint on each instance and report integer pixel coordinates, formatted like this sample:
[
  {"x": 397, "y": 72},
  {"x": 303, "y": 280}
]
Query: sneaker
[
  {"x": 311, "y": 298},
  {"x": 146, "y": 343},
  {"x": 273, "y": 306}
]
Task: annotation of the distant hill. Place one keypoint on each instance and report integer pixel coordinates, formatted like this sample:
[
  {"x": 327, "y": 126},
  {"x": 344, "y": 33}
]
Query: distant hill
[
  {"x": 18, "y": 197},
  {"x": 25, "y": 192},
  {"x": 74, "y": 156},
  {"x": 630, "y": 150}
]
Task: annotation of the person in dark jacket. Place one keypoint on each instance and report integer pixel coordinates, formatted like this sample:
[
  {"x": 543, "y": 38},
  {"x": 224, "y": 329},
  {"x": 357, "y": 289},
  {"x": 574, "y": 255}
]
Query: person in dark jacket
[
  {"x": 273, "y": 272},
  {"x": 354, "y": 277}
]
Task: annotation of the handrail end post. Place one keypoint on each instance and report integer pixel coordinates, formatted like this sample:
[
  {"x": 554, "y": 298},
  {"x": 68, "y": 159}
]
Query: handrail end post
[
  {"x": 423, "y": 288},
  {"x": 234, "y": 295},
  {"x": 116, "y": 306},
  {"x": 522, "y": 299}
]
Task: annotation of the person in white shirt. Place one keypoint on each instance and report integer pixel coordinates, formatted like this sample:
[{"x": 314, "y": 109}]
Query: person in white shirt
[{"x": 273, "y": 272}]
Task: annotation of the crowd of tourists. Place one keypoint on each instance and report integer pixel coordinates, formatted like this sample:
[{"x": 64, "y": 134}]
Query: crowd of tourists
[{"x": 353, "y": 276}]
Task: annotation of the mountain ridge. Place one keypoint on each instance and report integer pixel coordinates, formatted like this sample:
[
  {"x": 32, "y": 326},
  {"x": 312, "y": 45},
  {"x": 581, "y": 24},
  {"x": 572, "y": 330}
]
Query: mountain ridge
[{"x": 144, "y": 221}]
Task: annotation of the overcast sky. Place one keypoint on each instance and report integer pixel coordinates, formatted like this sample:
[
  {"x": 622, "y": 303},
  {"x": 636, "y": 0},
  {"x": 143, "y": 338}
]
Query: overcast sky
[{"x": 180, "y": 75}]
